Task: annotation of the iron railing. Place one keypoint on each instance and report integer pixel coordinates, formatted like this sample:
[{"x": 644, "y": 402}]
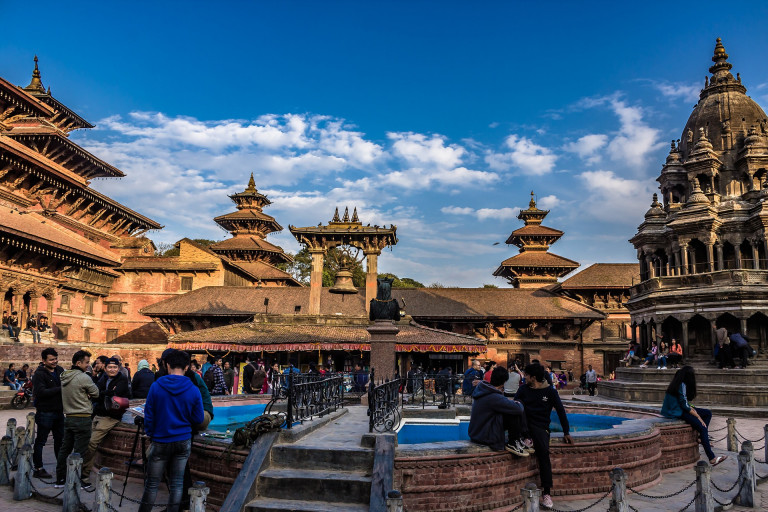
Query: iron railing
[
  {"x": 384, "y": 404},
  {"x": 312, "y": 395}
]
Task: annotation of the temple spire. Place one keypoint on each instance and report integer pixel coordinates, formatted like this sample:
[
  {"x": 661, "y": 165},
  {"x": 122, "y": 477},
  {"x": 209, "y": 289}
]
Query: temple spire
[
  {"x": 722, "y": 67},
  {"x": 354, "y": 215},
  {"x": 336, "y": 217},
  {"x": 532, "y": 203},
  {"x": 346, "y": 215},
  {"x": 251, "y": 185},
  {"x": 36, "y": 84}
]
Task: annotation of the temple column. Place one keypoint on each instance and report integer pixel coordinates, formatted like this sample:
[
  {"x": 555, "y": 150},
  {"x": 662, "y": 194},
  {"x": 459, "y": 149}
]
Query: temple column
[
  {"x": 710, "y": 258},
  {"x": 743, "y": 321},
  {"x": 765, "y": 250},
  {"x": 371, "y": 276},
  {"x": 34, "y": 304},
  {"x": 755, "y": 257},
  {"x": 316, "y": 280},
  {"x": 49, "y": 309},
  {"x": 720, "y": 262},
  {"x": 737, "y": 254},
  {"x": 634, "y": 333},
  {"x": 686, "y": 352},
  {"x": 649, "y": 264},
  {"x": 670, "y": 264},
  {"x": 684, "y": 257},
  {"x": 17, "y": 305}
]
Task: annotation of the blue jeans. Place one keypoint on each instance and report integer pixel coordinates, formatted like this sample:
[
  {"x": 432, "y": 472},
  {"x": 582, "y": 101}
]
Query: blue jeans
[
  {"x": 15, "y": 385},
  {"x": 662, "y": 361},
  {"x": 47, "y": 422},
  {"x": 35, "y": 335},
  {"x": 174, "y": 455},
  {"x": 703, "y": 431}
]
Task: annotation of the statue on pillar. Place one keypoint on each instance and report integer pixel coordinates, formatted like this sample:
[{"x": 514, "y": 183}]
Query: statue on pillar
[{"x": 384, "y": 307}]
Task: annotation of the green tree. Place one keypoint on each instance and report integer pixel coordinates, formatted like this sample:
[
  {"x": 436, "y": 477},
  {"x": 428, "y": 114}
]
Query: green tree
[
  {"x": 301, "y": 267},
  {"x": 405, "y": 282},
  {"x": 490, "y": 286}
]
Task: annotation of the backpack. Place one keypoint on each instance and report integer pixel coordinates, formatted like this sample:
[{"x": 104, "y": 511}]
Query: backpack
[{"x": 209, "y": 380}]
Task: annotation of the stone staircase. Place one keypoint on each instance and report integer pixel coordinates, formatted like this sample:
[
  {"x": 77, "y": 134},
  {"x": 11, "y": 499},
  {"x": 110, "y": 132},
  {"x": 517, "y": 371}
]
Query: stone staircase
[{"x": 311, "y": 478}]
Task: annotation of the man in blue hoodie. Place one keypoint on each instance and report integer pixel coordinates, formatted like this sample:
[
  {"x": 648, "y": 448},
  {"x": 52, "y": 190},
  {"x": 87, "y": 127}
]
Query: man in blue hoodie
[
  {"x": 493, "y": 413},
  {"x": 173, "y": 406}
]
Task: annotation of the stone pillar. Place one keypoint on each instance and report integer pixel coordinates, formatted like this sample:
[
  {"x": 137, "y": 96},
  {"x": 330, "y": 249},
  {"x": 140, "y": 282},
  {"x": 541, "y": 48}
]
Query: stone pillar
[
  {"x": 704, "y": 501},
  {"x": 684, "y": 257},
  {"x": 316, "y": 280},
  {"x": 371, "y": 276},
  {"x": 684, "y": 341},
  {"x": 737, "y": 254},
  {"x": 743, "y": 321},
  {"x": 755, "y": 257},
  {"x": 670, "y": 265},
  {"x": 18, "y": 307},
  {"x": 720, "y": 262},
  {"x": 634, "y": 333},
  {"x": 383, "y": 334},
  {"x": 658, "y": 334},
  {"x": 710, "y": 258}
]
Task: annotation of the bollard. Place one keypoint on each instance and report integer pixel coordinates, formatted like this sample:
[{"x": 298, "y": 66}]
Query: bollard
[
  {"x": 29, "y": 437},
  {"x": 704, "y": 501},
  {"x": 18, "y": 443},
  {"x": 394, "y": 501},
  {"x": 746, "y": 497},
  {"x": 101, "y": 502},
  {"x": 10, "y": 431},
  {"x": 619, "y": 500},
  {"x": 531, "y": 495},
  {"x": 5, "y": 460},
  {"x": 71, "y": 497},
  {"x": 732, "y": 443},
  {"x": 765, "y": 442},
  {"x": 22, "y": 489},
  {"x": 197, "y": 494}
]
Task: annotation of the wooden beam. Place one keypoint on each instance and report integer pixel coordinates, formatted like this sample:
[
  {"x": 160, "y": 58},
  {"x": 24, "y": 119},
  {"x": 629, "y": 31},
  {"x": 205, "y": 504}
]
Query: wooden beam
[
  {"x": 74, "y": 206},
  {"x": 61, "y": 200}
]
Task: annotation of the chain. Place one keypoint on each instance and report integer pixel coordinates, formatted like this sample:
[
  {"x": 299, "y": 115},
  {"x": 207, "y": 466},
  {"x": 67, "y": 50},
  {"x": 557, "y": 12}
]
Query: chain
[
  {"x": 681, "y": 491},
  {"x": 738, "y": 478},
  {"x": 632, "y": 508},
  {"x": 34, "y": 489},
  {"x": 138, "y": 502},
  {"x": 588, "y": 506},
  {"x": 730, "y": 502},
  {"x": 748, "y": 439},
  {"x": 718, "y": 430},
  {"x": 690, "y": 502},
  {"x": 110, "y": 507},
  {"x": 518, "y": 507},
  {"x": 718, "y": 440}
]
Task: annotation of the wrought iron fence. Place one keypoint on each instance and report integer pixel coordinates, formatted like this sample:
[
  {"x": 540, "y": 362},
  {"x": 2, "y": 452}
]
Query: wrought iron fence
[
  {"x": 384, "y": 404},
  {"x": 311, "y": 395},
  {"x": 429, "y": 389}
]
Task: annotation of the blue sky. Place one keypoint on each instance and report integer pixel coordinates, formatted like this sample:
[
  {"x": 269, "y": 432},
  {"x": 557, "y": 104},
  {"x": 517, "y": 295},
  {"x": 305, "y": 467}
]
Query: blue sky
[{"x": 439, "y": 117}]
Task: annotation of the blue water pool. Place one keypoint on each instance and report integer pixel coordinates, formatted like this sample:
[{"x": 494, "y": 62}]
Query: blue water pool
[
  {"x": 413, "y": 433},
  {"x": 233, "y": 417}
]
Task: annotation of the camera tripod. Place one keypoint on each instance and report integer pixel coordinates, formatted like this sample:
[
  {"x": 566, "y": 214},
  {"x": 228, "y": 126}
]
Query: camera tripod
[{"x": 139, "y": 422}]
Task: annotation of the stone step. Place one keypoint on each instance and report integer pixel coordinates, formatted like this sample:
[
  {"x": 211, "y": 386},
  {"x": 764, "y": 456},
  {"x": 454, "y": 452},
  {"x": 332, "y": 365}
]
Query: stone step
[
  {"x": 294, "y": 456},
  {"x": 267, "y": 504},
  {"x": 705, "y": 375},
  {"x": 315, "y": 485},
  {"x": 755, "y": 394}
]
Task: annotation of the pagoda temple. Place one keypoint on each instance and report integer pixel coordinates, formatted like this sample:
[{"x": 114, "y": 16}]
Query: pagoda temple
[
  {"x": 702, "y": 249},
  {"x": 535, "y": 266}
]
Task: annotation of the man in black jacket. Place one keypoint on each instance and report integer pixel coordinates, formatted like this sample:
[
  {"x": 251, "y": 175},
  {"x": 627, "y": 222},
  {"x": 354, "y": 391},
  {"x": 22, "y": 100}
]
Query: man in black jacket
[
  {"x": 46, "y": 385},
  {"x": 107, "y": 411},
  {"x": 493, "y": 413}
]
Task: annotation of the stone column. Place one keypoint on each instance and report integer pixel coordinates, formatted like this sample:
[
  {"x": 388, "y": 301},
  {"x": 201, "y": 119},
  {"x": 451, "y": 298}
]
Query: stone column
[
  {"x": 684, "y": 256},
  {"x": 316, "y": 280},
  {"x": 737, "y": 254},
  {"x": 649, "y": 265},
  {"x": 686, "y": 351},
  {"x": 755, "y": 257},
  {"x": 765, "y": 248},
  {"x": 670, "y": 264},
  {"x": 371, "y": 274},
  {"x": 634, "y": 333},
  {"x": 18, "y": 306},
  {"x": 34, "y": 304},
  {"x": 383, "y": 334},
  {"x": 743, "y": 321},
  {"x": 710, "y": 258},
  {"x": 49, "y": 308},
  {"x": 720, "y": 262}
]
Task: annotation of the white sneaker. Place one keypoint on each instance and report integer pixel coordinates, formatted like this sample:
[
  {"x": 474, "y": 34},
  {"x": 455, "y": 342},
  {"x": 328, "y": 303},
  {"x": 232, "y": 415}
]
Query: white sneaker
[
  {"x": 546, "y": 501},
  {"x": 512, "y": 448},
  {"x": 664, "y": 368}
]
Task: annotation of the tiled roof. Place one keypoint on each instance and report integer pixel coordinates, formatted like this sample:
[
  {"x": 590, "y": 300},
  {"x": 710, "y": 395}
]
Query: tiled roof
[
  {"x": 605, "y": 275},
  {"x": 247, "y": 243},
  {"x": 165, "y": 263},
  {"x": 533, "y": 229},
  {"x": 261, "y": 270},
  {"x": 21, "y": 97},
  {"x": 539, "y": 259},
  {"x": 242, "y": 300},
  {"x": 246, "y": 214},
  {"x": 292, "y": 333},
  {"x": 507, "y": 303},
  {"x": 33, "y": 226}
]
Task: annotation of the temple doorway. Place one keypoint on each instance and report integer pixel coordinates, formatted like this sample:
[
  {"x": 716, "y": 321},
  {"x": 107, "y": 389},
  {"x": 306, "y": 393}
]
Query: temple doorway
[
  {"x": 699, "y": 336},
  {"x": 757, "y": 331},
  {"x": 730, "y": 322},
  {"x": 672, "y": 328}
]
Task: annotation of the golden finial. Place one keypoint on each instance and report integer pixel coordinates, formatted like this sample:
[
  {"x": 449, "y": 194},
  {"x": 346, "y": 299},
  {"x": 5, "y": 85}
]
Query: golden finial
[
  {"x": 36, "y": 84},
  {"x": 346, "y": 214},
  {"x": 532, "y": 204},
  {"x": 251, "y": 185},
  {"x": 336, "y": 216},
  {"x": 354, "y": 215}
]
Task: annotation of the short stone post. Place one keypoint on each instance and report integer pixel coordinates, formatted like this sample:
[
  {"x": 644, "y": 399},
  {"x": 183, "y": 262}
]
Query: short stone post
[
  {"x": 394, "y": 501},
  {"x": 765, "y": 442},
  {"x": 103, "y": 491},
  {"x": 197, "y": 494},
  {"x": 18, "y": 443},
  {"x": 746, "y": 497},
  {"x": 733, "y": 444},
  {"x": 29, "y": 434},
  {"x": 10, "y": 431},
  {"x": 619, "y": 500},
  {"x": 71, "y": 497},
  {"x": 5, "y": 460},
  {"x": 704, "y": 501},
  {"x": 531, "y": 495},
  {"x": 22, "y": 489}
]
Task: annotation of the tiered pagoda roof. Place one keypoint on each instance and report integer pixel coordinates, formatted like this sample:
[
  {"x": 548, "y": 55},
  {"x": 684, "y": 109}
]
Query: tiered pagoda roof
[
  {"x": 249, "y": 226},
  {"x": 346, "y": 230},
  {"x": 535, "y": 266}
]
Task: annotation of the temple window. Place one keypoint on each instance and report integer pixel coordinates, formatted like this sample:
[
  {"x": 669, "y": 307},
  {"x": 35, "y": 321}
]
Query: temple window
[
  {"x": 111, "y": 335},
  {"x": 114, "y": 307},
  {"x": 62, "y": 331},
  {"x": 88, "y": 310},
  {"x": 64, "y": 304},
  {"x": 87, "y": 334},
  {"x": 186, "y": 283}
]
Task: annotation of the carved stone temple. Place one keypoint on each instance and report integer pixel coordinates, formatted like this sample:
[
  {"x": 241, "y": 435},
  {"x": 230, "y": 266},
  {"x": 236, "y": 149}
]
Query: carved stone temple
[{"x": 702, "y": 247}]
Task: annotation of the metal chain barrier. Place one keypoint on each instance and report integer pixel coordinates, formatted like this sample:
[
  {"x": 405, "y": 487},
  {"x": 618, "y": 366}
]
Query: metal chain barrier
[
  {"x": 718, "y": 440},
  {"x": 681, "y": 491},
  {"x": 730, "y": 502},
  {"x": 726, "y": 490},
  {"x": 137, "y": 502},
  {"x": 34, "y": 490},
  {"x": 690, "y": 502},
  {"x": 718, "y": 429},
  {"x": 518, "y": 507},
  {"x": 748, "y": 439},
  {"x": 588, "y": 506}
]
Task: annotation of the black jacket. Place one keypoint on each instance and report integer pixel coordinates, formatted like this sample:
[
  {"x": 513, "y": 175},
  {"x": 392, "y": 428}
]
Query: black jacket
[
  {"x": 142, "y": 380},
  {"x": 118, "y": 386},
  {"x": 486, "y": 421},
  {"x": 46, "y": 388},
  {"x": 538, "y": 405}
]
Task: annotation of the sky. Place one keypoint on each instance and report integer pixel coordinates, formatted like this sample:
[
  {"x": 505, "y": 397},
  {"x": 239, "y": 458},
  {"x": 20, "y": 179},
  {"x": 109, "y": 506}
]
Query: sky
[{"x": 439, "y": 117}]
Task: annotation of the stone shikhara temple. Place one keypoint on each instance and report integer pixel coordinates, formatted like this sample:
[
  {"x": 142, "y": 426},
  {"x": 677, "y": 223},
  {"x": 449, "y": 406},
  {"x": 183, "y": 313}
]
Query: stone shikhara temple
[
  {"x": 702, "y": 250},
  {"x": 84, "y": 260}
]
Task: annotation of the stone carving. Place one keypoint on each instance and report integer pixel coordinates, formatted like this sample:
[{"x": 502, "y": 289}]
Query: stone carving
[{"x": 384, "y": 307}]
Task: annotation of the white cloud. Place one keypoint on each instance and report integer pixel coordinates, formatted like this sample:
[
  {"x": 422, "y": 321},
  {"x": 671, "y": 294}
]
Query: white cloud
[
  {"x": 635, "y": 140},
  {"x": 687, "y": 92},
  {"x": 548, "y": 202},
  {"x": 587, "y": 147},
  {"x": 482, "y": 213},
  {"x": 616, "y": 199},
  {"x": 525, "y": 156},
  {"x": 419, "y": 150}
]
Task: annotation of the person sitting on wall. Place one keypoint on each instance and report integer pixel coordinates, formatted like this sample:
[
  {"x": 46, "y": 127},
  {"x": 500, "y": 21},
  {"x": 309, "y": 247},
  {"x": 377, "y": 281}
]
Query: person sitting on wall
[
  {"x": 11, "y": 322},
  {"x": 10, "y": 379},
  {"x": 661, "y": 356},
  {"x": 492, "y": 414},
  {"x": 42, "y": 324},
  {"x": 651, "y": 356},
  {"x": 680, "y": 392},
  {"x": 33, "y": 329},
  {"x": 675, "y": 354},
  {"x": 22, "y": 375},
  {"x": 629, "y": 356}
]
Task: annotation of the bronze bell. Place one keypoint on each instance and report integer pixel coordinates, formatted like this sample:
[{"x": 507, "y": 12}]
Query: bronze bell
[{"x": 343, "y": 282}]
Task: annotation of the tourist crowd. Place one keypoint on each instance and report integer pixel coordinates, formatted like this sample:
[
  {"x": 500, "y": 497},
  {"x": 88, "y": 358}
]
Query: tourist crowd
[{"x": 35, "y": 325}]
